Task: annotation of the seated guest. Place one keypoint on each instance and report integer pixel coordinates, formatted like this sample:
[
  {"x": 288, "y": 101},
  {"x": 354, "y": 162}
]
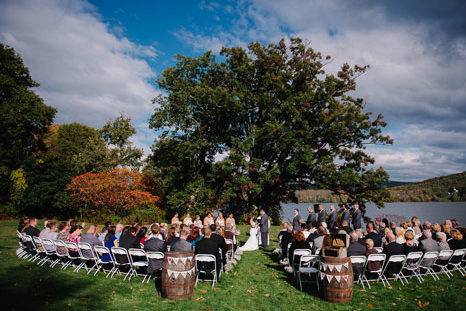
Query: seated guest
[
  {"x": 194, "y": 236},
  {"x": 442, "y": 241},
  {"x": 457, "y": 241},
  {"x": 172, "y": 237},
  {"x": 104, "y": 230},
  {"x": 372, "y": 265},
  {"x": 63, "y": 231},
  {"x": 109, "y": 242},
  {"x": 142, "y": 235},
  {"x": 31, "y": 229},
  {"x": 209, "y": 246},
  {"x": 400, "y": 235},
  {"x": 222, "y": 245},
  {"x": 181, "y": 245},
  {"x": 392, "y": 248},
  {"x": 119, "y": 230},
  {"x": 447, "y": 229},
  {"x": 286, "y": 238},
  {"x": 410, "y": 245},
  {"x": 427, "y": 244},
  {"x": 154, "y": 244},
  {"x": 50, "y": 231},
  {"x": 23, "y": 222},
  {"x": 74, "y": 237},
  {"x": 373, "y": 235},
  {"x": 91, "y": 238},
  {"x": 355, "y": 248},
  {"x": 436, "y": 228},
  {"x": 318, "y": 241},
  {"x": 345, "y": 226},
  {"x": 129, "y": 239},
  {"x": 298, "y": 243}
]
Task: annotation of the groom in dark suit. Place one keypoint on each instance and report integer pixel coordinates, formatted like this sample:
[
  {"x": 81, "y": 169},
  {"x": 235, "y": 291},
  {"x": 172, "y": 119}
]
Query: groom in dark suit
[{"x": 264, "y": 228}]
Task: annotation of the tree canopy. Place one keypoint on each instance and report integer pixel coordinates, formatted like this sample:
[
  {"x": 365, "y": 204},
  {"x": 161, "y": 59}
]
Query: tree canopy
[{"x": 278, "y": 119}]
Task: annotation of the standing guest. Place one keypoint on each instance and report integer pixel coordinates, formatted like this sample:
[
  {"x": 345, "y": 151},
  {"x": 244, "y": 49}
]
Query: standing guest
[
  {"x": 209, "y": 245},
  {"x": 187, "y": 220},
  {"x": 457, "y": 241},
  {"x": 181, "y": 245},
  {"x": 357, "y": 217},
  {"x": 392, "y": 248},
  {"x": 311, "y": 218},
  {"x": 119, "y": 230},
  {"x": 400, "y": 235},
  {"x": 209, "y": 219},
  {"x": 231, "y": 223},
  {"x": 332, "y": 218},
  {"x": 175, "y": 220},
  {"x": 355, "y": 248},
  {"x": 320, "y": 214},
  {"x": 299, "y": 242},
  {"x": 129, "y": 239},
  {"x": 296, "y": 220},
  {"x": 23, "y": 222},
  {"x": 91, "y": 238},
  {"x": 104, "y": 230},
  {"x": 198, "y": 222},
  {"x": 109, "y": 242},
  {"x": 154, "y": 244},
  {"x": 194, "y": 236},
  {"x": 142, "y": 235},
  {"x": 428, "y": 244},
  {"x": 373, "y": 235},
  {"x": 442, "y": 241},
  {"x": 220, "y": 221},
  {"x": 409, "y": 245},
  {"x": 31, "y": 229}
]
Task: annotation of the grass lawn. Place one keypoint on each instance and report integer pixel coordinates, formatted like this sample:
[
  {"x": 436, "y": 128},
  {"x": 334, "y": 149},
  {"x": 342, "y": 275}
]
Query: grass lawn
[{"x": 256, "y": 283}]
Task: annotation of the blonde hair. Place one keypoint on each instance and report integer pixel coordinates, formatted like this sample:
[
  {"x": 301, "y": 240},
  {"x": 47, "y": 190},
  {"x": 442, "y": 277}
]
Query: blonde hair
[
  {"x": 369, "y": 243},
  {"x": 409, "y": 235},
  {"x": 447, "y": 228},
  {"x": 456, "y": 234},
  {"x": 436, "y": 227},
  {"x": 399, "y": 232}
]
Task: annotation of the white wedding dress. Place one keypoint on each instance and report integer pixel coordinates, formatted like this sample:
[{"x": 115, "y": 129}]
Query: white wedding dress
[{"x": 252, "y": 243}]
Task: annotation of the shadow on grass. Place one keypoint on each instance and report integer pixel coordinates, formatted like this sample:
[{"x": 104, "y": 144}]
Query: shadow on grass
[
  {"x": 309, "y": 285},
  {"x": 26, "y": 286}
]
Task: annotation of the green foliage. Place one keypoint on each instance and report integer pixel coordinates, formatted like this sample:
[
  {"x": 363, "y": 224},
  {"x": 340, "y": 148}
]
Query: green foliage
[
  {"x": 283, "y": 123},
  {"x": 24, "y": 118},
  {"x": 117, "y": 133}
]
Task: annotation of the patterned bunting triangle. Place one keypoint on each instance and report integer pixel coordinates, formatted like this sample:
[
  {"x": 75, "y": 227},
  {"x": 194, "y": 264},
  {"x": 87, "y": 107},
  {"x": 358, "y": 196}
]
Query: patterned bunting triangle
[
  {"x": 322, "y": 275},
  {"x": 338, "y": 278},
  {"x": 338, "y": 267},
  {"x": 329, "y": 277}
]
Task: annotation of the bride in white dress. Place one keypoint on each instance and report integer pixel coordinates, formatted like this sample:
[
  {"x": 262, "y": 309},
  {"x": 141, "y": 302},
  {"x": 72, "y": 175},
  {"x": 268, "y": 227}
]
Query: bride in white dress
[{"x": 252, "y": 243}]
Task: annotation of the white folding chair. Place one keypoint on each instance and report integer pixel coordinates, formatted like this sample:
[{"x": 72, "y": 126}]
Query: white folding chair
[
  {"x": 455, "y": 261},
  {"x": 122, "y": 260},
  {"x": 62, "y": 253},
  {"x": 297, "y": 255},
  {"x": 22, "y": 251},
  {"x": 367, "y": 270},
  {"x": 87, "y": 256},
  {"x": 358, "y": 263},
  {"x": 230, "y": 249},
  {"x": 202, "y": 261},
  {"x": 379, "y": 249},
  {"x": 40, "y": 250},
  {"x": 308, "y": 264},
  {"x": 412, "y": 266},
  {"x": 102, "y": 264},
  {"x": 442, "y": 262},
  {"x": 139, "y": 261},
  {"x": 73, "y": 256},
  {"x": 50, "y": 251},
  {"x": 394, "y": 264},
  {"x": 426, "y": 263},
  {"x": 154, "y": 256}
]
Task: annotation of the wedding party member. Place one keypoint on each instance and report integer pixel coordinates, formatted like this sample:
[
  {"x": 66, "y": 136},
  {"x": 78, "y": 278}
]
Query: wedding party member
[
  {"x": 175, "y": 220},
  {"x": 264, "y": 228},
  {"x": 357, "y": 217},
  {"x": 31, "y": 229},
  {"x": 220, "y": 221},
  {"x": 252, "y": 243},
  {"x": 355, "y": 248},
  {"x": 296, "y": 220},
  {"x": 209, "y": 245},
  {"x": 332, "y": 218},
  {"x": 198, "y": 222},
  {"x": 311, "y": 218},
  {"x": 230, "y": 223},
  {"x": 320, "y": 214},
  {"x": 209, "y": 219},
  {"x": 187, "y": 220},
  {"x": 344, "y": 214}
]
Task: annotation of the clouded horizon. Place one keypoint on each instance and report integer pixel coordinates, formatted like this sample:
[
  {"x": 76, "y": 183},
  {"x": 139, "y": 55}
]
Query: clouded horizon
[{"x": 95, "y": 60}]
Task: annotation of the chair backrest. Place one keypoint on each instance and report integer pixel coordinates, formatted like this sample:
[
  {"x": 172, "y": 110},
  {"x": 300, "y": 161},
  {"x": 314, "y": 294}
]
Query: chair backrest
[
  {"x": 138, "y": 254},
  {"x": 85, "y": 250},
  {"x": 121, "y": 255},
  {"x": 73, "y": 250},
  {"x": 358, "y": 260},
  {"x": 394, "y": 264},
  {"x": 61, "y": 248},
  {"x": 301, "y": 252},
  {"x": 308, "y": 260},
  {"x": 379, "y": 249},
  {"x": 397, "y": 258},
  {"x": 38, "y": 244},
  {"x": 457, "y": 256},
  {"x": 101, "y": 251},
  {"x": 445, "y": 254},
  {"x": 376, "y": 257},
  {"x": 155, "y": 255},
  {"x": 429, "y": 259},
  {"x": 205, "y": 258},
  {"x": 49, "y": 246}
]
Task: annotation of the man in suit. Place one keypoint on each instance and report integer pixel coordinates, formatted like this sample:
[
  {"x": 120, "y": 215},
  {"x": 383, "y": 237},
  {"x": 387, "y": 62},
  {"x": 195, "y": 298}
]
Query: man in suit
[
  {"x": 320, "y": 214},
  {"x": 373, "y": 235},
  {"x": 31, "y": 230},
  {"x": 221, "y": 243},
  {"x": 355, "y": 248},
  {"x": 129, "y": 239},
  {"x": 296, "y": 223},
  {"x": 332, "y": 218},
  {"x": 209, "y": 245},
  {"x": 154, "y": 244},
  {"x": 428, "y": 244},
  {"x": 392, "y": 248},
  {"x": 181, "y": 245},
  {"x": 344, "y": 214},
  {"x": 264, "y": 228},
  {"x": 311, "y": 218},
  {"x": 357, "y": 217}
]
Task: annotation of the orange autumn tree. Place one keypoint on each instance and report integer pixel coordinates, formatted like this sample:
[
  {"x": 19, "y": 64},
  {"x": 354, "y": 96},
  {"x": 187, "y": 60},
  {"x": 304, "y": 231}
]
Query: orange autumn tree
[{"x": 117, "y": 192}]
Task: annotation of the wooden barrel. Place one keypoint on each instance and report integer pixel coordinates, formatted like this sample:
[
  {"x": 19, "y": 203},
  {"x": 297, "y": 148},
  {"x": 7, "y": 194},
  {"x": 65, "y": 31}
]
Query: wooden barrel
[
  {"x": 178, "y": 275},
  {"x": 336, "y": 279}
]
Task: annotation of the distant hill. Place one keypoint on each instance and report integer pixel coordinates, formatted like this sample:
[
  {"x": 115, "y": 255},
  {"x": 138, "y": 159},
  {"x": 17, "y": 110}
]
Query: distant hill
[{"x": 444, "y": 188}]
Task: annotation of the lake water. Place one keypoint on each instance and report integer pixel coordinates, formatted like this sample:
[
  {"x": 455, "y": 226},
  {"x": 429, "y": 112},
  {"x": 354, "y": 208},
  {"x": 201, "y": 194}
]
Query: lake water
[{"x": 432, "y": 211}]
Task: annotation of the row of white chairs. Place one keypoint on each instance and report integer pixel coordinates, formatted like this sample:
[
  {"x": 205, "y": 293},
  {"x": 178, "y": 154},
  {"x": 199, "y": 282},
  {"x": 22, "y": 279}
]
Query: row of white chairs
[
  {"x": 396, "y": 267},
  {"x": 134, "y": 261}
]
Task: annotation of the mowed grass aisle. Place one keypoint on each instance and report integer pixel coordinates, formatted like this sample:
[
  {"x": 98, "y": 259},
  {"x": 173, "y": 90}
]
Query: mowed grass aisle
[{"x": 256, "y": 283}]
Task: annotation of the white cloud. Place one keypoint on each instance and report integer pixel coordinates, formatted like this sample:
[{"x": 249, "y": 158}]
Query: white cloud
[{"x": 87, "y": 71}]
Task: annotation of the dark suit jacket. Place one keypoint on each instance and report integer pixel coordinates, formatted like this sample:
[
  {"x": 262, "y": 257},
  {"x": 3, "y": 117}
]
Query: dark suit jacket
[
  {"x": 210, "y": 246},
  {"x": 332, "y": 219},
  {"x": 221, "y": 244},
  {"x": 311, "y": 220},
  {"x": 264, "y": 224},
  {"x": 376, "y": 237},
  {"x": 357, "y": 219},
  {"x": 393, "y": 248},
  {"x": 154, "y": 245},
  {"x": 296, "y": 223},
  {"x": 320, "y": 217},
  {"x": 356, "y": 249},
  {"x": 129, "y": 241},
  {"x": 32, "y": 231}
]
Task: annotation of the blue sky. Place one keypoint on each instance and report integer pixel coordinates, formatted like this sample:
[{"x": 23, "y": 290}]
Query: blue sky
[{"x": 96, "y": 59}]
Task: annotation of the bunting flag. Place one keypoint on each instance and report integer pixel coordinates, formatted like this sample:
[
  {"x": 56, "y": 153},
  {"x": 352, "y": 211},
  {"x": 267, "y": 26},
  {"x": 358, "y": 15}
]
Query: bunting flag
[
  {"x": 329, "y": 277},
  {"x": 175, "y": 274},
  {"x": 338, "y": 267},
  {"x": 324, "y": 266},
  {"x": 345, "y": 265},
  {"x": 322, "y": 275},
  {"x": 338, "y": 277},
  {"x": 345, "y": 278}
]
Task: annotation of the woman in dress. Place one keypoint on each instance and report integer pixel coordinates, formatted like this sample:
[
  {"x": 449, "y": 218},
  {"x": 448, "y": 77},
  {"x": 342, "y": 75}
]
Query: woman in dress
[
  {"x": 187, "y": 220},
  {"x": 220, "y": 221},
  {"x": 209, "y": 220},
  {"x": 198, "y": 222},
  {"x": 230, "y": 223},
  {"x": 252, "y": 243},
  {"x": 175, "y": 219}
]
